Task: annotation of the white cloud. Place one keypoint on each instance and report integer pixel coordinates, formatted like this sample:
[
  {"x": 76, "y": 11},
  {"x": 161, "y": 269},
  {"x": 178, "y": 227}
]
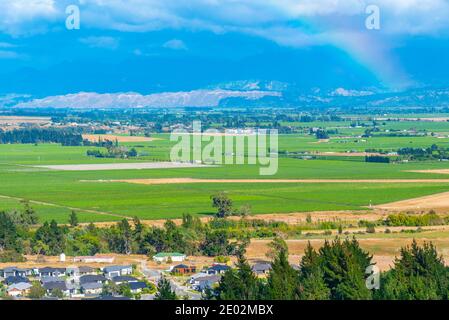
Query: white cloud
[
  {"x": 175, "y": 44},
  {"x": 101, "y": 42},
  {"x": 399, "y": 16},
  {"x": 26, "y": 16},
  {"x": 6, "y": 54}
]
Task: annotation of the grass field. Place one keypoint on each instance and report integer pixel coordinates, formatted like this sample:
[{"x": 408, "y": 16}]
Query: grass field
[{"x": 56, "y": 193}]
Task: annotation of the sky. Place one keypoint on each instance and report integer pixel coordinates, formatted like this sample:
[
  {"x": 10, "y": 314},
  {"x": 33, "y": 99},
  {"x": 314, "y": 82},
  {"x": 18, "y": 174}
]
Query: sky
[{"x": 149, "y": 46}]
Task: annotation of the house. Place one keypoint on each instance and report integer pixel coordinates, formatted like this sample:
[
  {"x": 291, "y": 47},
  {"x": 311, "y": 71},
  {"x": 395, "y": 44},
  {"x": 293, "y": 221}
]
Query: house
[
  {"x": 166, "y": 256},
  {"x": 83, "y": 270},
  {"x": 20, "y": 289},
  {"x": 79, "y": 271},
  {"x": 183, "y": 269},
  {"x": 95, "y": 259},
  {"x": 50, "y": 272},
  {"x": 45, "y": 280},
  {"x": 16, "y": 279},
  {"x": 92, "y": 288},
  {"x": 51, "y": 286},
  {"x": 261, "y": 269},
  {"x": 92, "y": 278},
  {"x": 114, "y": 271},
  {"x": 203, "y": 283},
  {"x": 124, "y": 279},
  {"x": 137, "y": 287},
  {"x": 198, "y": 275},
  {"x": 14, "y": 271},
  {"x": 218, "y": 269}
]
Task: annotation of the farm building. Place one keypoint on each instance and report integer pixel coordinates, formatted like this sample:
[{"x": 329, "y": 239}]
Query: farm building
[{"x": 167, "y": 256}]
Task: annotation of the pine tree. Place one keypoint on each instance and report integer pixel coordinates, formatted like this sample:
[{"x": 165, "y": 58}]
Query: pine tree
[
  {"x": 418, "y": 274},
  {"x": 239, "y": 284},
  {"x": 164, "y": 290},
  {"x": 312, "y": 285},
  {"x": 283, "y": 280},
  {"x": 343, "y": 265},
  {"x": 73, "y": 219}
]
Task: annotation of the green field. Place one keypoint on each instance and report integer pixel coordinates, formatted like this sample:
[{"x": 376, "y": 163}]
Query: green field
[{"x": 56, "y": 193}]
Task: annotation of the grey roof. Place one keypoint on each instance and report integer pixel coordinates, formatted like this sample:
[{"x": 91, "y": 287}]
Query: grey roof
[
  {"x": 50, "y": 269},
  {"x": 207, "y": 282},
  {"x": 17, "y": 279},
  {"x": 92, "y": 278},
  {"x": 219, "y": 267},
  {"x": 10, "y": 269},
  {"x": 116, "y": 268},
  {"x": 261, "y": 267},
  {"x": 91, "y": 285},
  {"x": 55, "y": 285},
  {"x": 49, "y": 279},
  {"x": 137, "y": 285},
  {"x": 208, "y": 279},
  {"x": 85, "y": 269},
  {"x": 20, "y": 286}
]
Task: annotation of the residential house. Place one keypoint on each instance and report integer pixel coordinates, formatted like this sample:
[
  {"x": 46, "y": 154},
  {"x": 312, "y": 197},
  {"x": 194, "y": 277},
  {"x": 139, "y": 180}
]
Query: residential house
[
  {"x": 92, "y": 288},
  {"x": 198, "y": 275},
  {"x": 261, "y": 269},
  {"x": 14, "y": 272},
  {"x": 92, "y": 278},
  {"x": 203, "y": 283},
  {"x": 115, "y": 271},
  {"x": 83, "y": 270},
  {"x": 51, "y": 286},
  {"x": 16, "y": 279},
  {"x": 49, "y": 279},
  {"x": 124, "y": 279},
  {"x": 167, "y": 256},
  {"x": 183, "y": 269},
  {"x": 20, "y": 289},
  {"x": 137, "y": 287},
  {"x": 76, "y": 272},
  {"x": 217, "y": 269},
  {"x": 50, "y": 272}
]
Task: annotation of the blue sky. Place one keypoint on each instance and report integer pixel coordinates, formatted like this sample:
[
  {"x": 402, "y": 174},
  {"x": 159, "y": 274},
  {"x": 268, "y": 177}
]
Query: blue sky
[{"x": 152, "y": 46}]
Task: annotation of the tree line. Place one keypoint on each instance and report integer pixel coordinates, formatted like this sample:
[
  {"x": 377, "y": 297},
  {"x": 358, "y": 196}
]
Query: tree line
[
  {"x": 19, "y": 235},
  {"x": 66, "y": 137}
]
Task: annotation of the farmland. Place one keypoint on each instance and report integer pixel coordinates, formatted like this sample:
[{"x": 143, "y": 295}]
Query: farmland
[{"x": 54, "y": 193}]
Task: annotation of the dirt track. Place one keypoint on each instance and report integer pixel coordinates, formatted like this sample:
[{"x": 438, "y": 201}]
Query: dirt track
[
  {"x": 438, "y": 202},
  {"x": 437, "y": 171},
  {"x": 192, "y": 180}
]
